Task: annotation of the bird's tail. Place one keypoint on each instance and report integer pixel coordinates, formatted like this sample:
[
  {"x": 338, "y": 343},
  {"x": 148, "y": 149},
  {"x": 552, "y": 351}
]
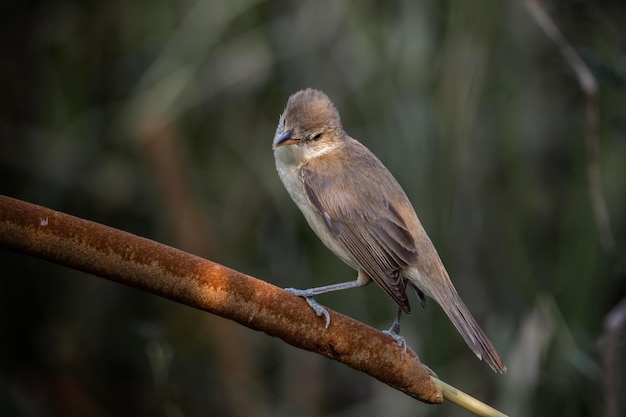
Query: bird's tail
[
  {"x": 447, "y": 297},
  {"x": 473, "y": 335}
]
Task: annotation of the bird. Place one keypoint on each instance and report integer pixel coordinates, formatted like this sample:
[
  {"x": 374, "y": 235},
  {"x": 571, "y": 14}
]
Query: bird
[{"x": 361, "y": 213}]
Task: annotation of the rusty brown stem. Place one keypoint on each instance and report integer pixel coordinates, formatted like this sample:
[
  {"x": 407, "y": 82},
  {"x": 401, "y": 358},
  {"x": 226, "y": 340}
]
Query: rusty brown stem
[{"x": 187, "y": 279}]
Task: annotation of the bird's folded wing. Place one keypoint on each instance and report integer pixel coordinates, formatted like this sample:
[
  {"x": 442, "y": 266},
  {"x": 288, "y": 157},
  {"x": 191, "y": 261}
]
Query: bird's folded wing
[{"x": 366, "y": 224}]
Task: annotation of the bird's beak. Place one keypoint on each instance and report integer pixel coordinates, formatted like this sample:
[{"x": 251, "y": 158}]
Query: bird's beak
[{"x": 284, "y": 138}]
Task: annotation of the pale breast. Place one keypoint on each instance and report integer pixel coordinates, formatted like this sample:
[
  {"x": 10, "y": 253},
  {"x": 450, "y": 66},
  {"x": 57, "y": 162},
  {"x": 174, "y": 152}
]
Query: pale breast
[{"x": 291, "y": 177}]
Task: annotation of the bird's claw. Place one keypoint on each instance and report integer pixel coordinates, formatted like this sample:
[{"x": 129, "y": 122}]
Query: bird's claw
[
  {"x": 308, "y": 296},
  {"x": 401, "y": 341},
  {"x": 319, "y": 310}
]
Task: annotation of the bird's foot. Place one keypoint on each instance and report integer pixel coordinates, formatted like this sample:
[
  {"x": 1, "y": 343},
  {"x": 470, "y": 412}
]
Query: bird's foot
[
  {"x": 308, "y": 296},
  {"x": 393, "y": 332}
]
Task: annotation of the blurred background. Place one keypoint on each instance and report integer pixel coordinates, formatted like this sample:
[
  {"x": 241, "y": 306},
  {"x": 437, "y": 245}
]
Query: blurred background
[{"x": 157, "y": 118}]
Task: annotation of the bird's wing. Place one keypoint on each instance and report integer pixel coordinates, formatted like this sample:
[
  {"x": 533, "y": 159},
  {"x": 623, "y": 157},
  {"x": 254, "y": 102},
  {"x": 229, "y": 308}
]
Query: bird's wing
[{"x": 367, "y": 224}]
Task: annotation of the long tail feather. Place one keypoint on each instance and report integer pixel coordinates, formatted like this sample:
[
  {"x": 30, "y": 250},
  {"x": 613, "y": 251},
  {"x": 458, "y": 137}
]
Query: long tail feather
[
  {"x": 473, "y": 335},
  {"x": 436, "y": 284}
]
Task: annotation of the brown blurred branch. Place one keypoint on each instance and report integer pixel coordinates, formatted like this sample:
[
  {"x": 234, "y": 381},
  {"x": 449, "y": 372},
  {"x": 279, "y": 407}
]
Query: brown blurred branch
[
  {"x": 589, "y": 87},
  {"x": 191, "y": 229},
  {"x": 196, "y": 282}
]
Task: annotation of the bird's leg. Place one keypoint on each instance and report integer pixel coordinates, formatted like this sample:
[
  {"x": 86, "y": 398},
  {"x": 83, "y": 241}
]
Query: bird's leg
[
  {"x": 308, "y": 295},
  {"x": 394, "y": 331}
]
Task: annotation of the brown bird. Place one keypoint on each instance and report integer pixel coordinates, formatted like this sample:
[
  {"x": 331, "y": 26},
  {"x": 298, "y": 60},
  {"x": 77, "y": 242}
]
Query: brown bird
[{"x": 360, "y": 212}]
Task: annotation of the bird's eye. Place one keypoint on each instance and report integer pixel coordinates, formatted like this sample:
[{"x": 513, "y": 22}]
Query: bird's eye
[{"x": 316, "y": 136}]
